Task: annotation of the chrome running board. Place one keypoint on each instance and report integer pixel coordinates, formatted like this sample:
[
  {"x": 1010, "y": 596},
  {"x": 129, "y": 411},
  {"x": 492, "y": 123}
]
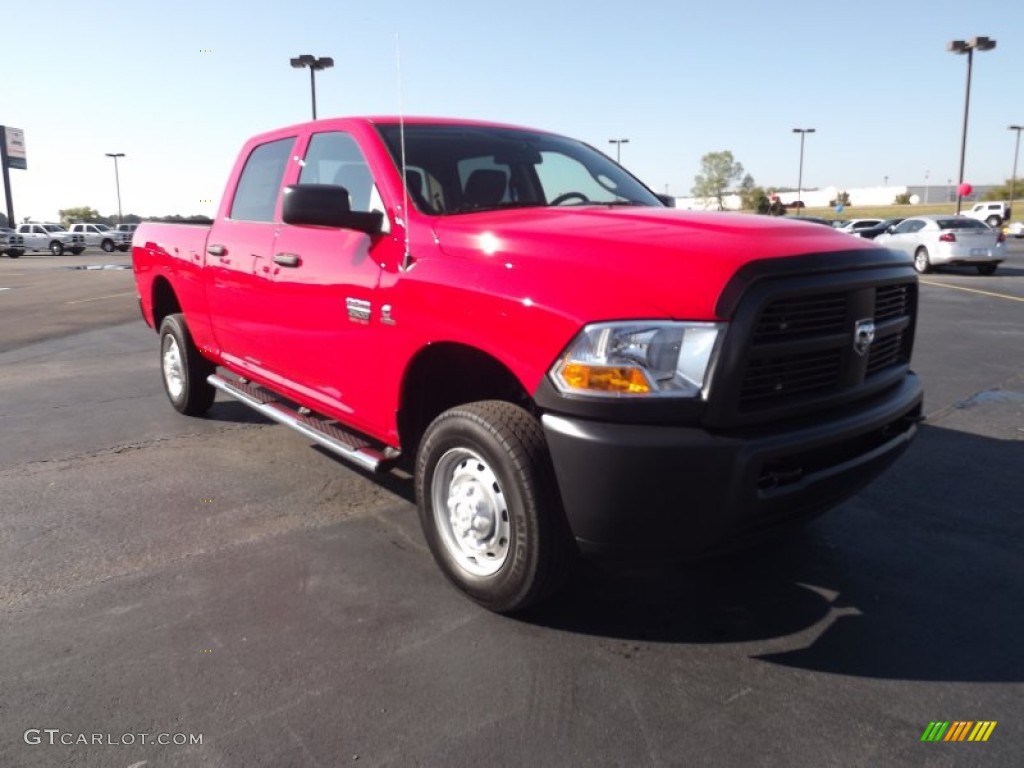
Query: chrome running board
[{"x": 322, "y": 432}]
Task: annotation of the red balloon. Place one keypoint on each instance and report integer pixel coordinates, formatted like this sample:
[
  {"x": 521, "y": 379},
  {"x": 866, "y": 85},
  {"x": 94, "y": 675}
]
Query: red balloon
[{"x": 964, "y": 189}]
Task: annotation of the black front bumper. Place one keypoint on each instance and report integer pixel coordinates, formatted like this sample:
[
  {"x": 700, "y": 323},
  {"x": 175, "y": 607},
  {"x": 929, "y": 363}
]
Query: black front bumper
[{"x": 648, "y": 488}]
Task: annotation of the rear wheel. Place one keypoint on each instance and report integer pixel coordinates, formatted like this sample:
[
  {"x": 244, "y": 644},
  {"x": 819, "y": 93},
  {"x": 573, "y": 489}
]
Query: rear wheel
[
  {"x": 184, "y": 369},
  {"x": 921, "y": 261},
  {"x": 489, "y": 505},
  {"x": 994, "y": 221},
  {"x": 77, "y": 251},
  {"x": 57, "y": 248},
  {"x": 107, "y": 246},
  {"x": 986, "y": 269}
]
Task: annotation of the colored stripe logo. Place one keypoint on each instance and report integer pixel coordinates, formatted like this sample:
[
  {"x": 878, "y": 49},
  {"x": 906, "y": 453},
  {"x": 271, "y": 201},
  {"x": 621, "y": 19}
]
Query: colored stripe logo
[{"x": 958, "y": 730}]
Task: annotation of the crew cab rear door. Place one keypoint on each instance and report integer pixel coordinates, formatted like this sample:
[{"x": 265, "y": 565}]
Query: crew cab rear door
[
  {"x": 323, "y": 309},
  {"x": 239, "y": 245}
]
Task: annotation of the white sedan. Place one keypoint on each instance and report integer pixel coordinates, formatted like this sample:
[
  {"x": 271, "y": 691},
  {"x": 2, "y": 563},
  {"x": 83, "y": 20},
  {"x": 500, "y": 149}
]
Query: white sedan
[
  {"x": 938, "y": 240},
  {"x": 1016, "y": 229}
]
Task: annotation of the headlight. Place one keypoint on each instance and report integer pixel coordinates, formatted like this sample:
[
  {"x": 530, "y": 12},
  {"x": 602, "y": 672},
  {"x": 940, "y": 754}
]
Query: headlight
[{"x": 658, "y": 358}]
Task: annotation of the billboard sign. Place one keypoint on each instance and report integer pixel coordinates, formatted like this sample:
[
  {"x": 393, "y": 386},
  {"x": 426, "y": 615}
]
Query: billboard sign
[{"x": 15, "y": 148}]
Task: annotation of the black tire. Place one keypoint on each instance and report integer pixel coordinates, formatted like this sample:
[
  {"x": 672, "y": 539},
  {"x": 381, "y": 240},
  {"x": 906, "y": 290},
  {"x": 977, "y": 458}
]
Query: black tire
[
  {"x": 77, "y": 251},
  {"x": 15, "y": 253},
  {"x": 493, "y": 454},
  {"x": 123, "y": 248},
  {"x": 57, "y": 248},
  {"x": 987, "y": 269},
  {"x": 921, "y": 261},
  {"x": 107, "y": 246},
  {"x": 994, "y": 221},
  {"x": 183, "y": 370}
]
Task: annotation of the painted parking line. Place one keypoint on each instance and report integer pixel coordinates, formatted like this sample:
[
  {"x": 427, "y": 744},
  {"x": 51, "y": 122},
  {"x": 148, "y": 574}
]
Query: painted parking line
[
  {"x": 100, "y": 298},
  {"x": 972, "y": 290}
]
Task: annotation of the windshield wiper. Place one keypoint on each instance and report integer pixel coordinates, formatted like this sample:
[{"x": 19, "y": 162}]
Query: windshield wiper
[{"x": 494, "y": 206}]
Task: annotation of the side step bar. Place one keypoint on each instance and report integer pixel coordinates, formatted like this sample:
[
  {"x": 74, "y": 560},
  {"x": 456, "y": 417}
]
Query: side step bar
[{"x": 324, "y": 433}]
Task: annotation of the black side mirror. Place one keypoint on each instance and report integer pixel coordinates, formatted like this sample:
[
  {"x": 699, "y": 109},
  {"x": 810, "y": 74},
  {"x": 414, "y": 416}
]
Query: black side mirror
[
  {"x": 667, "y": 200},
  {"x": 326, "y": 205}
]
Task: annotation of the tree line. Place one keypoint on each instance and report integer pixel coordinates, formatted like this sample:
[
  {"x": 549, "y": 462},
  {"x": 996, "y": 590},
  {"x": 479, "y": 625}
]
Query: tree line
[{"x": 720, "y": 172}]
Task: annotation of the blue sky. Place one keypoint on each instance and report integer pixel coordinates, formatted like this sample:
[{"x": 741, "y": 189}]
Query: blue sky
[{"x": 679, "y": 79}]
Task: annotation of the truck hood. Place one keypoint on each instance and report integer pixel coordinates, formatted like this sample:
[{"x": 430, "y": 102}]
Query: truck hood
[{"x": 627, "y": 261}]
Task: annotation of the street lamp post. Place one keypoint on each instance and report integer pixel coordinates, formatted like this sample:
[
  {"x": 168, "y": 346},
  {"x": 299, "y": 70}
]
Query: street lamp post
[
  {"x": 314, "y": 64},
  {"x": 117, "y": 183},
  {"x": 618, "y": 148},
  {"x": 1013, "y": 176},
  {"x": 800, "y": 177},
  {"x": 968, "y": 47}
]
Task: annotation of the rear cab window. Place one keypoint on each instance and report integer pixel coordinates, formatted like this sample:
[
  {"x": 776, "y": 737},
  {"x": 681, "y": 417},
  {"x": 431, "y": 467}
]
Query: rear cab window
[{"x": 259, "y": 185}]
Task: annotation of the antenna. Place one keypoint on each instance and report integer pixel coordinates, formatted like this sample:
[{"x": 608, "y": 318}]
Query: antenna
[{"x": 406, "y": 255}]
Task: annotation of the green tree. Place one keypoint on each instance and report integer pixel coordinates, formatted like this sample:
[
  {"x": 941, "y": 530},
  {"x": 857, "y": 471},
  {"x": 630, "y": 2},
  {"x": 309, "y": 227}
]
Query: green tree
[
  {"x": 719, "y": 170},
  {"x": 1003, "y": 192},
  {"x": 82, "y": 213},
  {"x": 902, "y": 199}
]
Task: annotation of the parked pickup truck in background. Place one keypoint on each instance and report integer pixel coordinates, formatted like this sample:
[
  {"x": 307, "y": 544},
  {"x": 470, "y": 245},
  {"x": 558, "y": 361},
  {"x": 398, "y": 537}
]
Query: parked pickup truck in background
[
  {"x": 993, "y": 214},
  {"x": 51, "y": 237},
  {"x": 564, "y": 364},
  {"x": 102, "y": 236},
  {"x": 11, "y": 243}
]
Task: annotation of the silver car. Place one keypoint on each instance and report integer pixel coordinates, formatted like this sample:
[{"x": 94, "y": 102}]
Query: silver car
[{"x": 938, "y": 240}]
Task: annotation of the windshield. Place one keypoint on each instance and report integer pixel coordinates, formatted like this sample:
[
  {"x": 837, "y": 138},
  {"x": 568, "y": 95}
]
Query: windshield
[
  {"x": 452, "y": 169},
  {"x": 102, "y": 227},
  {"x": 53, "y": 228}
]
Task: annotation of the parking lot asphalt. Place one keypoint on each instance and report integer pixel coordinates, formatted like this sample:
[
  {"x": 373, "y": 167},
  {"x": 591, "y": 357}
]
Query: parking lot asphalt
[{"x": 220, "y": 578}]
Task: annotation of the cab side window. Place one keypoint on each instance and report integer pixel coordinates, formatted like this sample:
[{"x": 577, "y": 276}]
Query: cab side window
[
  {"x": 335, "y": 158},
  {"x": 260, "y": 182}
]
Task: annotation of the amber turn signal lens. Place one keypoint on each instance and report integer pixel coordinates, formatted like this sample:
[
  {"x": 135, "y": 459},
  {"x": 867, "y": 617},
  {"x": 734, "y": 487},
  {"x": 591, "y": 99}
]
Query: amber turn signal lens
[{"x": 602, "y": 378}]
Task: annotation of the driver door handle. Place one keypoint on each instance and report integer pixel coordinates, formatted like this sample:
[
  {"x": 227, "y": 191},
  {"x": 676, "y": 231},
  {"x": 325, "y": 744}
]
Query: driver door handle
[
  {"x": 216, "y": 250},
  {"x": 287, "y": 259}
]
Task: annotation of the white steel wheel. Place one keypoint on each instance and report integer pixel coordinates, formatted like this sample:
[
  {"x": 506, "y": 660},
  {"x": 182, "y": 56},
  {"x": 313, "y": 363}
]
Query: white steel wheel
[
  {"x": 171, "y": 364},
  {"x": 470, "y": 512}
]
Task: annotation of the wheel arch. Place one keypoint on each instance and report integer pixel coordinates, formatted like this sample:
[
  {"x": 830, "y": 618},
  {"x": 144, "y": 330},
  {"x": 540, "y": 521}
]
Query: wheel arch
[
  {"x": 443, "y": 375},
  {"x": 164, "y": 300}
]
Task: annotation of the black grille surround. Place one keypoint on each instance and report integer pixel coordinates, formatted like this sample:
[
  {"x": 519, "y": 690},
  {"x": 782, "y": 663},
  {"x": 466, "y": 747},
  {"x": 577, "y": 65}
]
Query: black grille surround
[{"x": 789, "y": 351}]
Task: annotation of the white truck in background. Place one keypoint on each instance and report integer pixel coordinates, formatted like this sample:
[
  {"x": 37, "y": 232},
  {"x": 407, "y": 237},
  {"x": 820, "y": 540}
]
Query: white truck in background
[
  {"x": 992, "y": 213},
  {"x": 50, "y": 237},
  {"x": 102, "y": 236}
]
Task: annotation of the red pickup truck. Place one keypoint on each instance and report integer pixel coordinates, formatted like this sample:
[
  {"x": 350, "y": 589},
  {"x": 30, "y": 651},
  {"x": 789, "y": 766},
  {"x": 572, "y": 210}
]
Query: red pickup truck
[{"x": 564, "y": 362}]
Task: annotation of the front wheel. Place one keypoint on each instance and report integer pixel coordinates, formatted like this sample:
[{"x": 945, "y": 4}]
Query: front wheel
[
  {"x": 987, "y": 269},
  {"x": 57, "y": 248},
  {"x": 15, "y": 253},
  {"x": 184, "y": 369},
  {"x": 921, "y": 261},
  {"x": 489, "y": 505}
]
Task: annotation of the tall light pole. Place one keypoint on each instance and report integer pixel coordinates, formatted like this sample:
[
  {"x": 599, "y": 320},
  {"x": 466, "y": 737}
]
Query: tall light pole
[
  {"x": 618, "y": 148},
  {"x": 1013, "y": 176},
  {"x": 800, "y": 178},
  {"x": 314, "y": 64},
  {"x": 117, "y": 182},
  {"x": 968, "y": 47}
]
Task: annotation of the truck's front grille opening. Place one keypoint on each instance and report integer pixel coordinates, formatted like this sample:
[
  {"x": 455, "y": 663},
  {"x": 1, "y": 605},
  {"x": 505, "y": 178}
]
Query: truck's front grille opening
[{"x": 802, "y": 347}]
